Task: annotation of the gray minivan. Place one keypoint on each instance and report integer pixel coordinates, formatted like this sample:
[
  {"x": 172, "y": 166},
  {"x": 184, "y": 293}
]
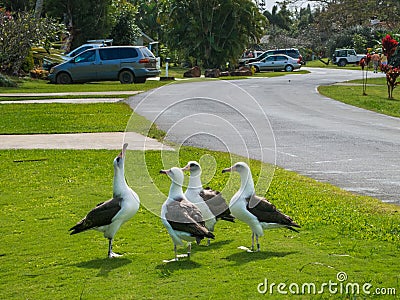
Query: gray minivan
[{"x": 128, "y": 64}]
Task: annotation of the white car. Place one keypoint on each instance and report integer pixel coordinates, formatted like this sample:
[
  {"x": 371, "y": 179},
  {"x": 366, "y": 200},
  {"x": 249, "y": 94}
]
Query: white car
[{"x": 277, "y": 62}]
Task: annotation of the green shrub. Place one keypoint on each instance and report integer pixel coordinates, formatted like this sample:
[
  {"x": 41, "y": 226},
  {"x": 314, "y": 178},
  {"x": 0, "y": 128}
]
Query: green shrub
[
  {"x": 6, "y": 82},
  {"x": 28, "y": 63}
]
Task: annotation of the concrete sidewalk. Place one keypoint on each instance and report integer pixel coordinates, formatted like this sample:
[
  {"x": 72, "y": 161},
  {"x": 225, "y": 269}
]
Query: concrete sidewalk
[
  {"x": 110, "y": 93},
  {"x": 82, "y": 141},
  {"x": 78, "y": 141}
]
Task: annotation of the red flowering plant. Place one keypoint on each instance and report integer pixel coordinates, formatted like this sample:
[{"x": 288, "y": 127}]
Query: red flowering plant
[{"x": 389, "y": 46}]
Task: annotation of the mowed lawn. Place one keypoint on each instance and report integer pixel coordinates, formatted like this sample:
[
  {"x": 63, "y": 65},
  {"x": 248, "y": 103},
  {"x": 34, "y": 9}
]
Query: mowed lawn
[{"x": 45, "y": 192}]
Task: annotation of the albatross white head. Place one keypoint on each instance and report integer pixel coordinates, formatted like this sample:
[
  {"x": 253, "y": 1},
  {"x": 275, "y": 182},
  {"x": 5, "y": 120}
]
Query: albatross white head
[
  {"x": 176, "y": 175},
  {"x": 195, "y": 175},
  {"x": 247, "y": 184}
]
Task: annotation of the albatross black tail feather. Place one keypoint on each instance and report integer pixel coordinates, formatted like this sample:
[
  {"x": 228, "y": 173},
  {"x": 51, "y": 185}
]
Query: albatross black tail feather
[{"x": 81, "y": 226}]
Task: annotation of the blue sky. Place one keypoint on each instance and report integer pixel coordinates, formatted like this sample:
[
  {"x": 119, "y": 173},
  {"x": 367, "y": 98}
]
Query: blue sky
[{"x": 271, "y": 3}]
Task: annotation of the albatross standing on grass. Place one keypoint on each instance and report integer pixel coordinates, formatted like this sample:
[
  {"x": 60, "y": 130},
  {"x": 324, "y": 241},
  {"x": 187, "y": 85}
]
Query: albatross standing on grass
[
  {"x": 182, "y": 219},
  {"x": 108, "y": 216},
  {"x": 257, "y": 212},
  {"x": 211, "y": 203}
]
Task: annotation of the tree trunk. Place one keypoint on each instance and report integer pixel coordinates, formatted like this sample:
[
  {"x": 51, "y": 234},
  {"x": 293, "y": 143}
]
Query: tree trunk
[{"x": 38, "y": 8}]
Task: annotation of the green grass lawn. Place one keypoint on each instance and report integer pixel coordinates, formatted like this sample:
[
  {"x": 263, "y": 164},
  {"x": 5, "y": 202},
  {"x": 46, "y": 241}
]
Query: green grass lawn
[
  {"x": 375, "y": 100},
  {"x": 318, "y": 64},
  {"x": 48, "y": 191},
  {"x": 63, "y": 118}
]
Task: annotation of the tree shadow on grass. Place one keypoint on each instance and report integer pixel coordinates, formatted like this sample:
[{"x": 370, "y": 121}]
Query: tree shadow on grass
[
  {"x": 104, "y": 265},
  {"x": 243, "y": 257}
]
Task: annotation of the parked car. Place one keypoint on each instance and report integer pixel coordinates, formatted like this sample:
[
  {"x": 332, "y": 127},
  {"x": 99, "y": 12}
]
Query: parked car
[
  {"x": 342, "y": 57},
  {"x": 89, "y": 45},
  {"x": 292, "y": 52},
  {"x": 127, "y": 64},
  {"x": 248, "y": 55},
  {"x": 276, "y": 62}
]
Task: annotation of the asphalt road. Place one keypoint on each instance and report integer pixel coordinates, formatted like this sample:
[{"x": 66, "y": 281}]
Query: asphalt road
[{"x": 285, "y": 121}]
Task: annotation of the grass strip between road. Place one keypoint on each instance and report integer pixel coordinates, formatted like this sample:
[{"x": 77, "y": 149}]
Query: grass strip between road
[{"x": 376, "y": 99}]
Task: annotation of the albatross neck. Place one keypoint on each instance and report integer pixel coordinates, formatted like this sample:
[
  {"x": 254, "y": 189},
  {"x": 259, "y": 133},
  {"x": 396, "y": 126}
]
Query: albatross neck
[
  {"x": 247, "y": 185},
  {"x": 175, "y": 190},
  {"x": 195, "y": 182},
  {"x": 119, "y": 183}
]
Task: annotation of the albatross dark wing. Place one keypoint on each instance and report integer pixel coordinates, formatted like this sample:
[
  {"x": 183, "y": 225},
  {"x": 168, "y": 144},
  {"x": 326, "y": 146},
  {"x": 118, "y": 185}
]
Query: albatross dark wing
[
  {"x": 217, "y": 204},
  {"x": 101, "y": 215},
  {"x": 184, "y": 216},
  {"x": 266, "y": 212}
]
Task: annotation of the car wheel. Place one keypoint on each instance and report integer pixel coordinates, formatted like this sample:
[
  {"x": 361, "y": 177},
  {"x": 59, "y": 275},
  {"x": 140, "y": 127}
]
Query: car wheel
[
  {"x": 63, "y": 78},
  {"x": 289, "y": 68},
  {"x": 126, "y": 77},
  {"x": 257, "y": 69},
  {"x": 342, "y": 63},
  {"x": 140, "y": 80}
]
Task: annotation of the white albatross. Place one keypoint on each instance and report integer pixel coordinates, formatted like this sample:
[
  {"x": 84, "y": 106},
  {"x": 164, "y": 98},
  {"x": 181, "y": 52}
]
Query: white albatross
[
  {"x": 257, "y": 212},
  {"x": 107, "y": 217},
  {"x": 211, "y": 203},
  {"x": 182, "y": 219}
]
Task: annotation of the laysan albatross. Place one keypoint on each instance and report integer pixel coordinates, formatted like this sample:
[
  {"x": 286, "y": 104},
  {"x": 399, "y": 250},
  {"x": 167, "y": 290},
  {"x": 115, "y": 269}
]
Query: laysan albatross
[
  {"x": 182, "y": 219},
  {"x": 255, "y": 211},
  {"x": 210, "y": 202},
  {"x": 107, "y": 217}
]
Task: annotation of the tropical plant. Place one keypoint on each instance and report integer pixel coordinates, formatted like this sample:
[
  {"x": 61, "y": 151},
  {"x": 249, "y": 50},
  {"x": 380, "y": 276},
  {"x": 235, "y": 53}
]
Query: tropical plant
[
  {"x": 214, "y": 32},
  {"x": 124, "y": 31},
  {"x": 19, "y": 32},
  {"x": 389, "y": 46}
]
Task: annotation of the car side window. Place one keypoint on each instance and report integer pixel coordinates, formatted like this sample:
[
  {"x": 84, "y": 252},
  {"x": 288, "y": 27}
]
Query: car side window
[
  {"x": 351, "y": 52},
  {"x": 270, "y": 58},
  {"x": 117, "y": 53},
  {"x": 88, "y": 56},
  {"x": 281, "y": 58}
]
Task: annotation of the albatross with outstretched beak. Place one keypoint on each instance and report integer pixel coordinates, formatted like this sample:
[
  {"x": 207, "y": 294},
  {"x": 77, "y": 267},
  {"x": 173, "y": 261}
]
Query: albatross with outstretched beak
[{"x": 107, "y": 217}]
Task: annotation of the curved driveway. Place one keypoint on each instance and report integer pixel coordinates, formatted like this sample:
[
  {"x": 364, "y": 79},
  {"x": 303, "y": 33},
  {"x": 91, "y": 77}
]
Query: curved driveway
[{"x": 284, "y": 120}]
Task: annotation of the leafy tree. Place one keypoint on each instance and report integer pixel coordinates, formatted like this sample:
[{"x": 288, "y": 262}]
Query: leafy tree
[
  {"x": 89, "y": 19},
  {"x": 279, "y": 18},
  {"x": 18, "y": 5},
  {"x": 124, "y": 31},
  {"x": 19, "y": 32},
  {"x": 148, "y": 17},
  {"x": 214, "y": 31}
]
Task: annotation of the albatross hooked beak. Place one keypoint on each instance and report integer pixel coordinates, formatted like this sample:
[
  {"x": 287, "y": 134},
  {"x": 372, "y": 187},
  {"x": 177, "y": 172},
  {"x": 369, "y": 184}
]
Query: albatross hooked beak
[
  {"x": 230, "y": 169},
  {"x": 186, "y": 168},
  {"x": 122, "y": 153}
]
